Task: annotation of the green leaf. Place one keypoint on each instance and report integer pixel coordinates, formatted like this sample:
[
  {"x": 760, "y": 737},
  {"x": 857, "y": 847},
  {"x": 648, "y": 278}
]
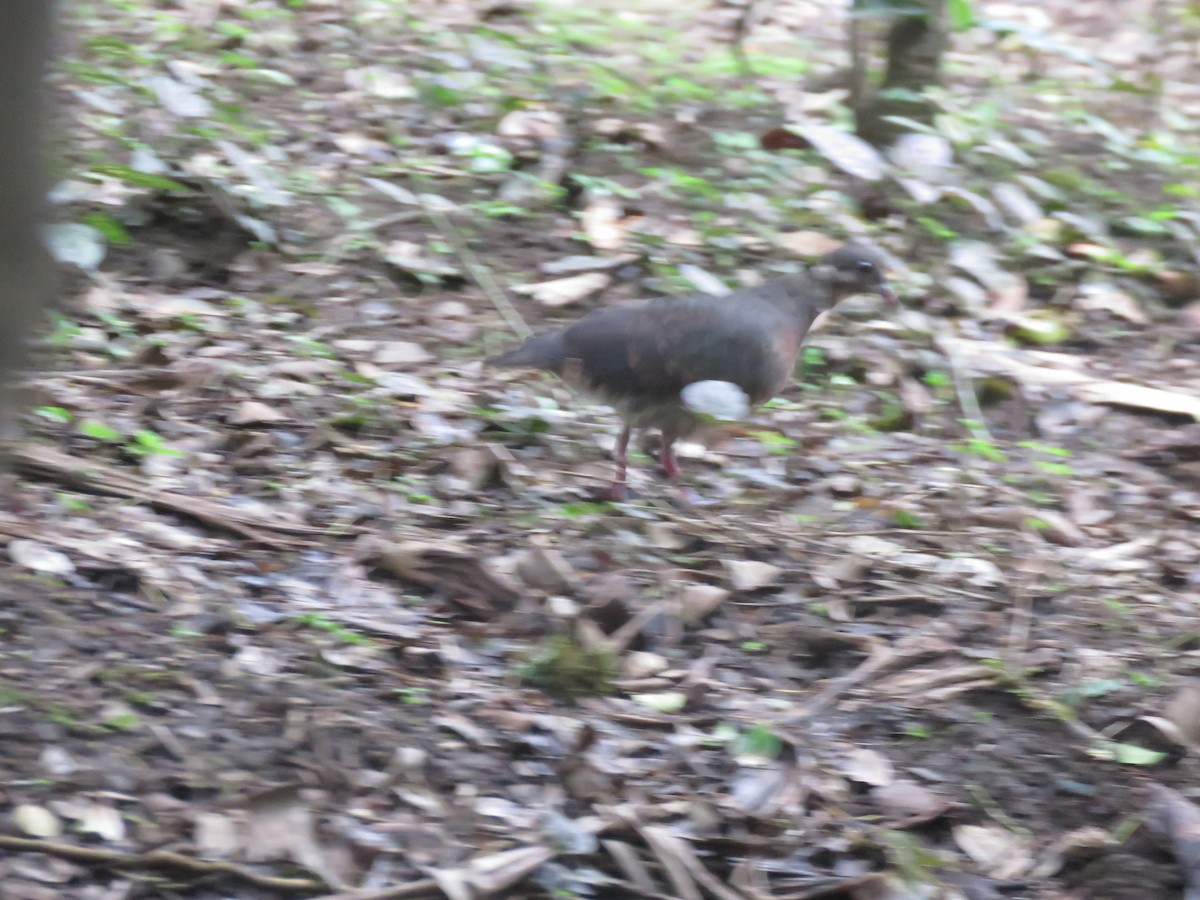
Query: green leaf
[
  {"x": 55, "y": 414},
  {"x": 759, "y": 741},
  {"x": 135, "y": 178},
  {"x": 1127, "y": 754},
  {"x": 99, "y": 431},
  {"x": 962, "y": 16}
]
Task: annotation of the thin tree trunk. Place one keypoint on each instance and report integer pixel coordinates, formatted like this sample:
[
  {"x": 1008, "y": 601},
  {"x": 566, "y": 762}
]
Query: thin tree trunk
[
  {"x": 25, "y": 267},
  {"x": 915, "y": 44}
]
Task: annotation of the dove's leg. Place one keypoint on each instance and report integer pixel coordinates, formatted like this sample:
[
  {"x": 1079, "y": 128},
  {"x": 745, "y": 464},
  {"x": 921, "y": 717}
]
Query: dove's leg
[
  {"x": 667, "y": 458},
  {"x": 620, "y": 455}
]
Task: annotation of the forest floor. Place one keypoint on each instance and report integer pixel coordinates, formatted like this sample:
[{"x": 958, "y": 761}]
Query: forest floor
[{"x": 303, "y": 601}]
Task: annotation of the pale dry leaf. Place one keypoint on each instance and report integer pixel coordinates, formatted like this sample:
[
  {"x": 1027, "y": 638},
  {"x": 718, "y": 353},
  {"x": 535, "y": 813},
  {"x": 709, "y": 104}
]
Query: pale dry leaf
[
  {"x": 997, "y": 851},
  {"x": 848, "y": 152},
  {"x": 1016, "y": 204},
  {"x": 178, "y": 98},
  {"x": 982, "y": 205},
  {"x": 400, "y": 384},
  {"x": 908, "y": 800},
  {"x": 922, "y": 192},
  {"x": 37, "y": 557},
  {"x": 493, "y": 874},
  {"x": 1009, "y": 297},
  {"x": 412, "y": 257},
  {"x": 698, "y": 601},
  {"x": 1109, "y": 298},
  {"x": 382, "y": 82},
  {"x": 100, "y": 820},
  {"x": 868, "y": 766},
  {"x": 643, "y": 664},
  {"x": 575, "y": 265},
  {"x": 498, "y": 53},
  {"x": 216, "y": 835},
  {"x": 280, "y": 825},
  {"x": 1184, "y": 711},
  {"x": 928, "y": 157},
  {"x": 807, "y": 243},
  {"x": 846, "y": 568},
  {"x": 36, "y": 821},
  {"x": 155, "y": 307},
  {"x": 565, "y": 291},
  {"x": 253, "y": 412},
  {"x": 400, "y": 194},
  {"x": 665, "y": 536},
  {"x": 662, "y": 701},
  {"x": 749, "y": 574},
  {"x": 76, "y": 244},
  {"x": 601, "y": 221},
  {"x": 545, "y": 569},
  {"x": 542, "y": 124},
  {"x": 1189, "y": 318},
  {"x": 401, "y": 353},
  {"x": 703, "y": 281},
  {"x": 1062, "y": 371},
  {"x": 975, "y": 571}
]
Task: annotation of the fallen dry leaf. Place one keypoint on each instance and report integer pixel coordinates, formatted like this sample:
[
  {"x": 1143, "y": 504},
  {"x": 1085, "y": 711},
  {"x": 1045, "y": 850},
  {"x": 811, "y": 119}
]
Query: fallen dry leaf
[{"x": 565, "y": 291}]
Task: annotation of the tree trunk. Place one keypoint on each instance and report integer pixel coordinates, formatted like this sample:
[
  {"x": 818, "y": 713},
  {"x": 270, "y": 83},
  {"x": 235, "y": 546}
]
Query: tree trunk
[
  {"x": 915, "y": 44},
  {"x": 25, "y": 267}
]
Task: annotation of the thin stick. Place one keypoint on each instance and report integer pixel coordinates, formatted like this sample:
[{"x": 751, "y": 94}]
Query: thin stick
[
  {"x": 481, "y": 274},
  {"x": 156, "y": 859}
]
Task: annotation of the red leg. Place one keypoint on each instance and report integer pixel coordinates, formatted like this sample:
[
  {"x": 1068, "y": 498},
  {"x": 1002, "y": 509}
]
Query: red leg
[
  {"x": 667, "y": 458},
  {"x": 617, "y": 490}
]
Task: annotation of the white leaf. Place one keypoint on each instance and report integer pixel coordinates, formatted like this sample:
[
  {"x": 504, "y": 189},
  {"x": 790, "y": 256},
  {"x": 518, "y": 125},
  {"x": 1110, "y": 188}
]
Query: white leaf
[
  {"x": 565, "y": 291},
  {"x": 381, "y": 81},
  {"x": 868, "y": 767},
  {"x": 178, "y": 98},
  {"x": 75, "y": 244},
  {"x": 703, "y": 280},
  {"x": 39, "y": 558},
  {"x": 848, "y": 152},
  {"x": 394, "y": 191},
  {"x": 807, "y": 243},
  {"x": 37, "y": 821},
  {"x": 925, "y": 156},
  {"x": 750, "y": 575},
  {"x": 252, "y": 412},
  {"x": 401, "y": 353}
]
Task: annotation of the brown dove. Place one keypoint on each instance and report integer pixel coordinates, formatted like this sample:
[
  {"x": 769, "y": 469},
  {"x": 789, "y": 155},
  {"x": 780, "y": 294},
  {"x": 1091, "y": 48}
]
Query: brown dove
[{"x": 638, "y": 357}]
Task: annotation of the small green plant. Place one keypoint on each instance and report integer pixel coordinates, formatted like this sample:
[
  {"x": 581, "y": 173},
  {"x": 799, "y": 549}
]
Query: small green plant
[
  {"x": 981, "y": 447},
  {"x": 566, "y": 670},
  {"x": 413, "y": 696},
  {"x": 55, "y": 414},
  {"x": 774, "y": 443},
  {"x": 583, "y": 508},
  {"x": 906, "y": 519},
  {"x": 322, "y": 622},
  {"x": 150, "y": 443},
  {"x": 759, "y": 740},
  {"x": 99, "y": 431}
]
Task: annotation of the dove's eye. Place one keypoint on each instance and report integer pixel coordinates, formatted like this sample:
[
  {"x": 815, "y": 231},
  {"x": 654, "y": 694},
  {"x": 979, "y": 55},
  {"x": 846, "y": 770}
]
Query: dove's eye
[{"x": 866, "y": 267}]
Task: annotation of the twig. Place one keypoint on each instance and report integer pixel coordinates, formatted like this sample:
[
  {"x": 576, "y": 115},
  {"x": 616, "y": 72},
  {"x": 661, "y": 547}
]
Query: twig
[
  {"x": 158, "y": 859},
  {"x": 481, "y": 274},
  {"x": 740, "y": 29},
  {"x": 425, "y": 887},
  {"x": 969, "y": 403},
  {"x": 40, "y": 461}
]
